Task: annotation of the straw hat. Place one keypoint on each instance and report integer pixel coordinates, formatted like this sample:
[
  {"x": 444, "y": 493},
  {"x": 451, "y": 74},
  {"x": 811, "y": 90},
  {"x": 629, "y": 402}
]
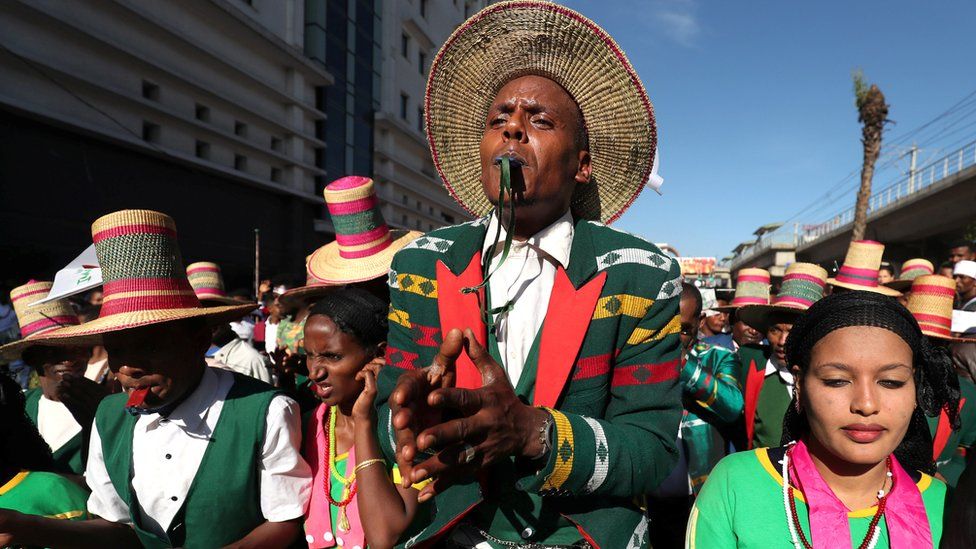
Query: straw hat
[
  {"x": 208, "y": 284},
  {"x": 364, "y": 246},
  {"x": 860, "y": 269},
  {"x": 144, "y": 279},
  {"x": 931, "y": 304},
  {"x": 751, "y": 288},
  {"x": 35, "y": 320},
  {"x": 803, "y": 285},
  {"x": 531, "y": 37},
  {"x": 910, "y": 270}
]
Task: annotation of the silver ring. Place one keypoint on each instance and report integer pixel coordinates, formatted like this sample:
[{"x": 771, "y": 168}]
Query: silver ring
[{"x": 467, "y": 456}]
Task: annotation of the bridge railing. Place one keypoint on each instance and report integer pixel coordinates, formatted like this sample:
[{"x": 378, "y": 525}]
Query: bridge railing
[{"x": 923, "y": 178}]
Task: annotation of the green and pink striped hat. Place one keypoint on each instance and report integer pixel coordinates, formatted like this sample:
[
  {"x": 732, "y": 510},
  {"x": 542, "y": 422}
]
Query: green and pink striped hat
[
  {"x": 751, "y": 288},
  {"x": 802, "y": 286},
  {"x": 910, "y": 270},
  {"x": 144, "y": 281}
]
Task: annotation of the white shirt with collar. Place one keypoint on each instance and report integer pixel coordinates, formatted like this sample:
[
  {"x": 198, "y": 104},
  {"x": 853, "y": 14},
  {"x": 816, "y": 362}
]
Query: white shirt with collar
[
  {"x": 526, "y": 277},
  {"x": 167, "y": 451},
  {"x": 240, "y": 356},
  {"x": 773, "y": 367}
]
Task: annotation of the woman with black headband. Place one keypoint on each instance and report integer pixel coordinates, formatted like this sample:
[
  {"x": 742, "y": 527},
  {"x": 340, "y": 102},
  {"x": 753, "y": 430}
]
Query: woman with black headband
[{"x": 857, "y": 454}]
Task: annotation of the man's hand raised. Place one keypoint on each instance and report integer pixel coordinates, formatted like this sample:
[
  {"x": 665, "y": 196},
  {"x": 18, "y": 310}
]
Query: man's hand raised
[
  {"x": 408, "y": 402},
  {"x": 493, "y": 424}
]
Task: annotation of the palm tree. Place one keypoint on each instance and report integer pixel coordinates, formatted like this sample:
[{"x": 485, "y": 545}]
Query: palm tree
[{"x": 872, "y": 113}]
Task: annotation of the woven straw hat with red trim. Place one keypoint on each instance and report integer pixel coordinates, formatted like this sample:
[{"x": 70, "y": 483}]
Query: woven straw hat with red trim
[
  {"x": 931, "y": 304},
  {"x": 751, "y": 288},
  {"x": 910, "y": 270},
  {"x": 802, "y": 286},
  {"x": 35, "y": 320},
  {"x": 531, "y": 37},
  {"x": 364, "y": 246},
  {"x": 860, "y": 269},
  {"x": 144, "y": 281},
  {"x": 208, "y": 284}
]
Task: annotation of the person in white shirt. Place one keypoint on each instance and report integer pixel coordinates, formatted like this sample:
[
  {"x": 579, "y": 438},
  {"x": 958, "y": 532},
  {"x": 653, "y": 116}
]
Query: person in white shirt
[
  {"x": 237, "y": 355},
  {"x": 188, "y": 456}
]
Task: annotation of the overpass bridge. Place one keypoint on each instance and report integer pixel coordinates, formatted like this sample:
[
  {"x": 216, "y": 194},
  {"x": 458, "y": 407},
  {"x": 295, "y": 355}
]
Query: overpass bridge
[{"x": 914, "y": 217}]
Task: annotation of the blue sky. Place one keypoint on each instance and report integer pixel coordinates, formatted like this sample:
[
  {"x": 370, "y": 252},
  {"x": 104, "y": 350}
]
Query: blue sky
[{"x": 755, "y": 106}]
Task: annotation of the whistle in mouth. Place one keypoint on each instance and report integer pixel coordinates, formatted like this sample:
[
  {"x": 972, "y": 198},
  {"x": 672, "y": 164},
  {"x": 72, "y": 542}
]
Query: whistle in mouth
[{"x": 512, "y": 161}]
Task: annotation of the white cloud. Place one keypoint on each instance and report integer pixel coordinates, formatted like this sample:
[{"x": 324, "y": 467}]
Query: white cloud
[{"x": 678, "y": 20}]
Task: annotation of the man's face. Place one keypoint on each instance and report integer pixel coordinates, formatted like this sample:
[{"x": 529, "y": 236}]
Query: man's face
[
  {"x": 964, "y": 284},
  {"x": 717, "y": 321},
  {"x": 776, "y": 334},
  {"x": 167, "y": 358},
  {"x": 534, "y": 120},
  {"x": 961, "y": 253},
  {"x": 54, "y": 364},
  {"x": 689, "y": 321},
  {"x": 744, "y": 334}
]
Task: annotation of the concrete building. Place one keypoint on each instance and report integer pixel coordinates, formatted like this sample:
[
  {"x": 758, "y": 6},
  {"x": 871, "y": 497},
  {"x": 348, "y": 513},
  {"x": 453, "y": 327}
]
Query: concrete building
[
  {"x": 413, "y": 31},
  {"x": 203, "y": 109}
]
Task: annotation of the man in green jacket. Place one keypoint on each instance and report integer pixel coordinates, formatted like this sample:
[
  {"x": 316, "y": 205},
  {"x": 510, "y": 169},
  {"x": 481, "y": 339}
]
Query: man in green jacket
[{"x": 533, "y": 354}]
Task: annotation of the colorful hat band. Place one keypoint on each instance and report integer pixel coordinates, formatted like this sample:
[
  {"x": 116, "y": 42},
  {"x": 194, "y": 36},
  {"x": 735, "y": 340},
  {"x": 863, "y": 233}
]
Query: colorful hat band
[
  {"x": 752, "y": 278},
  {"x": 739, "y": 301},
  {"x": 35, "y": 320},
  {"x": 206, "y": 281},
  {"x": 931, "y": 304},
  {"x": 141, "y": 267},
  {"x": 359, "y": 225},
  {"x": 859, "y": 277},
  {"x": 914, "y": 271}
]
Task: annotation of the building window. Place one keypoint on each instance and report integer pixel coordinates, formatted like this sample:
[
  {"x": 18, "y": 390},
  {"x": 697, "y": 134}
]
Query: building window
[
  {"x": 404, "y": 219},
  {"x": 203, "y": 150},
  {"x": 404, "y": 200},
  {"x": 203, "y": 113},
  {"x": 422, "y": 62},
  {"x": 430, "y": 210},
  {"x": 150, "y": 132},
  {"x": 276, "y": 144},
  {"x": 150, "y": 91},
  {"x": 423, "y": 10},
  {"x": 276, "y": 175},
  {"x": 240, "y": 162},
  {"x": 405, "y": 45},
  {"x": 420, "y": 119},
  {"x": 404, "y": 99},
  {"x": 240, "y": 129},
  {"x": 418, "y": 224},
  {"x": 419, "y": 207},
  {"x": 447, "y": 218}
]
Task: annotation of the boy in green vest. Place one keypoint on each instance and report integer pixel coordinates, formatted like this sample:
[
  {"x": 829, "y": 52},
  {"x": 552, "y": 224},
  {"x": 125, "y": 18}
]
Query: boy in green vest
[
  {"x": 553, "y": 402},
  {"x": 188, "y": 456}
]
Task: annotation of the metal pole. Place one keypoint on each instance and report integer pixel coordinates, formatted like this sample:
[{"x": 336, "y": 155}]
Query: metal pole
[
  {"x": 911, "y": 169},
  {"x": 257, "y": 262}
]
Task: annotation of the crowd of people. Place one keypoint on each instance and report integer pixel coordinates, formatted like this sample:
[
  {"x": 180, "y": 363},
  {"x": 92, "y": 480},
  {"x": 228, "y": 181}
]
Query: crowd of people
[{"x": 532, "y": 378}]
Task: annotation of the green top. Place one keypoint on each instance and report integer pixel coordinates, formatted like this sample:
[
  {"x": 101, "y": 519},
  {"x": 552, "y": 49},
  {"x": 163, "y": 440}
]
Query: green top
[
  {"x": 45, "y": 494},
  {"x": 774, "y": 400},
  {"x": 741, "y": 505},
  {"x": 951, "y": 462},
  {"x": 206, "y": 519}
]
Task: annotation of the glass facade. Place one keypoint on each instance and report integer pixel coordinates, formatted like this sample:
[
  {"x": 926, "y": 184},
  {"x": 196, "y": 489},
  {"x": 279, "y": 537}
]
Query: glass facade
[{"x": 344, "y": 36}]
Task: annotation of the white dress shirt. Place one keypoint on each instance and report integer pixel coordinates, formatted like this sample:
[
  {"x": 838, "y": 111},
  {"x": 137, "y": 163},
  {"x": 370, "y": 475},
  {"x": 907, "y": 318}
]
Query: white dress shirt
[
  {"x": 240, "y": 356},
  {"x": 526, "y": 277},
  {"x": 773, "y": 367},
  {"x": 167, "y": 451}
]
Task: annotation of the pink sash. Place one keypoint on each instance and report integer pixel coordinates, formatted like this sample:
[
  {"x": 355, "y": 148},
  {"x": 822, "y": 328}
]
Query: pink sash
[
  {"x": 908, "y": 523},
  {"x": 319, "y": 530}
]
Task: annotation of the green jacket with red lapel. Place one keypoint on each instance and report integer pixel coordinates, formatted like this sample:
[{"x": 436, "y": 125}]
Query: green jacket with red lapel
[{"x": 609, "y": 355}]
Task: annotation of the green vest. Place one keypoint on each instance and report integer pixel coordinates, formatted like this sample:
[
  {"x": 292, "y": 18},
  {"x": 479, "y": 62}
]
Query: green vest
[
  {"x": 774, "y": 400},
  {"x": 223, "y": 504},
  {"x": 67, "y": 458}
]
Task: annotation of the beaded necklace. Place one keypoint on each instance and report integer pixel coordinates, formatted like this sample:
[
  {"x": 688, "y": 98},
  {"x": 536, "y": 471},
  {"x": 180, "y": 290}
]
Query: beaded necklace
[
  {"x": 349, "y": 485},
  {"x": 793, "y": 521}
]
